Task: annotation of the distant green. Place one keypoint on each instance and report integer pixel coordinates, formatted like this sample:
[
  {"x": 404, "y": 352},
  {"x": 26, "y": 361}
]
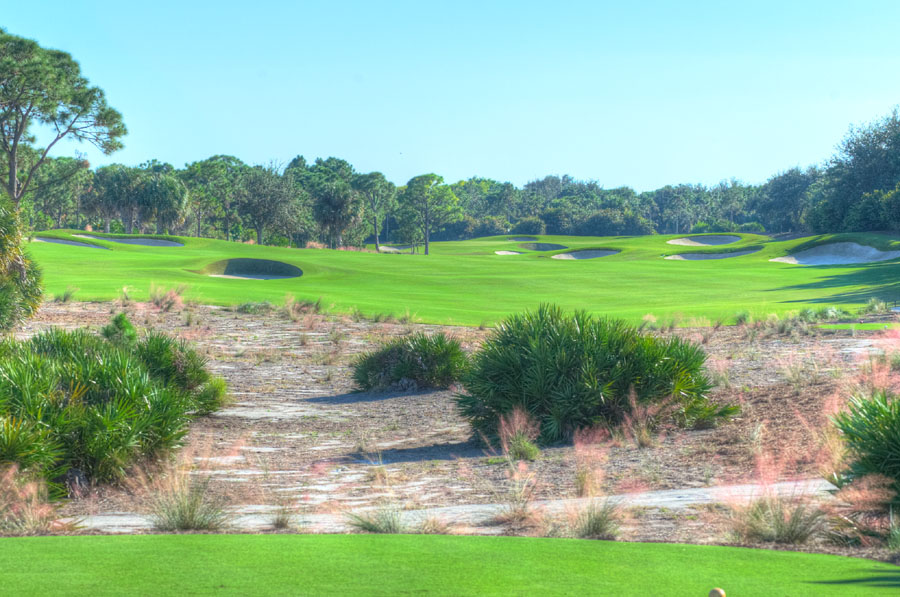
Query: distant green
[
  {"x": 418, "y": 565},
  {"x": 464, "y": 282}
]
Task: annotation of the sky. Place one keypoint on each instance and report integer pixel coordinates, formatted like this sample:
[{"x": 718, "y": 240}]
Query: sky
[{"x": 639, "y": 93}]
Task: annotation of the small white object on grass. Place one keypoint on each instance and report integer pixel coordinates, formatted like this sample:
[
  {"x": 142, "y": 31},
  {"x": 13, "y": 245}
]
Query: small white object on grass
[{"x": 717, "y": 592}]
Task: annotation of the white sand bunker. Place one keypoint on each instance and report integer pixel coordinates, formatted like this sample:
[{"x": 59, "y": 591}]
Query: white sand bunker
[
  {"x": 706, "y": 256},
  {"x": 252, "y": 269},
  {"x": 61, "y": 241},
  {"x": 585, "y": 254},
  {"x": 706, "y": 240},
  {"x": 838, "y": 254},
  {"x": 144, "y": 242},
  {"x": 394, "y": 249},
  {"x": 507, "y": 253}
]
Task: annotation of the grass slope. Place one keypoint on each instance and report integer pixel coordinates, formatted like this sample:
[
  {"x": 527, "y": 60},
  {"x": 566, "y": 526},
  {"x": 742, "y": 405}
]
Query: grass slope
[
  {"x": 466, "y": 283},
  {"x": 418, "y": 564}
]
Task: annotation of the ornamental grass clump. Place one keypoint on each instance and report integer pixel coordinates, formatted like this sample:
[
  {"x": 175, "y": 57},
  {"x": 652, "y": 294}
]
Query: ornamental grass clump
[
  {"x": 418, "y": 360},
  {"x": 86, "y": 406},
  {"x": 570, "y": 372}
]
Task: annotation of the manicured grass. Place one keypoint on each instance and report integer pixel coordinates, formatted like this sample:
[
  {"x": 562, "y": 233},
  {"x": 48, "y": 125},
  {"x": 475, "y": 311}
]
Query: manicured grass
[
  {"x": 466, "y": 283},
  {"x": 859, "y": 326},
  {"x": 418, "y": 565}
]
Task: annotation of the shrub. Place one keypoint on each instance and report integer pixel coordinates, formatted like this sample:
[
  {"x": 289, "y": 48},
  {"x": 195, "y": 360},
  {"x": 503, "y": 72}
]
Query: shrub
[
  {"x": 598, "y": 520},
  {"x": 20, "y": 278},
  {"x": 383, "y": 520},
  {"x": 75, "y": 402},
  {"x": 120, "y": 331},
  {"x": 188, "y": 506},
  {"x": 530, "y": 225},
  {"x": 777, "y": 520},
  {"x": 574, "y": 371},
  {"x": 870, "y": 430},
  {"x": 435, "y": 361},
  {"x": 752, "y": 227}
]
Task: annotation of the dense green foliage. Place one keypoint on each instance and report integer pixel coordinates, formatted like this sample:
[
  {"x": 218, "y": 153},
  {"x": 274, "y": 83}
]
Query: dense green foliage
[
  {"x": 574, "y": 371},
  {"x": 428, "y": 361},
  {"x": 871, "y": 432},
  {"x": 20, "y": 278},
  {"x": 419, "y": 564},
  {"x": 328, "y": 202},
  {"x": 76, "y": 400}
]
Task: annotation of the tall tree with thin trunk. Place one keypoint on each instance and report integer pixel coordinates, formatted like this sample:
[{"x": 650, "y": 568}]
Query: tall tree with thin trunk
[
  {"x": 430, "y": 204},
  {"x": 380, "y": 195},
  {"x": 265, "y": 195},
  {"x": 45, "y": 87}
]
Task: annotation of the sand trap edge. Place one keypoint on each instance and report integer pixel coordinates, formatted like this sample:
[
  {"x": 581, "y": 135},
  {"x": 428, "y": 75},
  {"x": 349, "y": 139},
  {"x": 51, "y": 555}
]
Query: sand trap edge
[
  {"x": 847, "y": 253},
  {"x": 712, "y": 240},
  {"x": 62, "y": 241},
  {"x": 583, "y": 254},
  {"x": 711, "y": 256}
]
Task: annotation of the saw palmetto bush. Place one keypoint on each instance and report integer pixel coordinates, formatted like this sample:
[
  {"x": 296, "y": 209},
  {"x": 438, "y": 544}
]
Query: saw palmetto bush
[
  {"x": 428, "y": 361},
  {"x": 575, "y": 371},
  {"x": 870, "y": 429},
  {"x": 75, "y": 400},
  {"x": 20, "y": 278}
]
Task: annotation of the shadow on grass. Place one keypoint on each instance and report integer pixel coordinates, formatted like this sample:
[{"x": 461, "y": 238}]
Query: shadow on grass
[
  {"x": 445, "y": 451},
  {"x": 873, "y": 579},
  {"x": 876, "y": 280},
  {"x": 358, "y": 397}
]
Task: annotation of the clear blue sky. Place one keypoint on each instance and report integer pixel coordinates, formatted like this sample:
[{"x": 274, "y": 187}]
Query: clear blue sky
[{"x": 625, "y": 93}]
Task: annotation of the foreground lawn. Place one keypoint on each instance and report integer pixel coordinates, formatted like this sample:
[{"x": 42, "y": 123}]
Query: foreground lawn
[
  {"x": 416, "y": 565},
  {"x": 467, "y": 283}
]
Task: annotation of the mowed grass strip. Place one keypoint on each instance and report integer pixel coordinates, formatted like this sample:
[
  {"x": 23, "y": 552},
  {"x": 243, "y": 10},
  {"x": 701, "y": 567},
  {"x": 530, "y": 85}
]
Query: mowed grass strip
[
  {"x": 466, "y": 283},
  {"x": 418, "y": 565}
]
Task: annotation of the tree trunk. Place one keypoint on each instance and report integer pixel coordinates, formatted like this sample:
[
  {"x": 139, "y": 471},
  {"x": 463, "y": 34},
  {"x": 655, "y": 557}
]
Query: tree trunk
[
  {"x": 106, "y": 227},
  {"x": 159, "y": 226},
  {"x": 198, "y": 224},
  {"x": 227, "y": 225},
  {"x": 375, "y": 226},
  {"x": 259, "y": 235}
]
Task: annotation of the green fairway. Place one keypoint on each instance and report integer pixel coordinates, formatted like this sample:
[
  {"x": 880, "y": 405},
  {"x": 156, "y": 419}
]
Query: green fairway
[
  {"x": 417, "y": 564},
  {"x": 465, "y": 282}
]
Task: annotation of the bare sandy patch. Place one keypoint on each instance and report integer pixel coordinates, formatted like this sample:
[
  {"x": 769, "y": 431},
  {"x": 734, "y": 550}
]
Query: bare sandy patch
[
  {"x": 838, "y": 254},
  {"x": 585, "y": 254},
  {"x": 706, "y": 240},
  {"x": 706, "y": 256},
  {"x": 507, "y": 253}
]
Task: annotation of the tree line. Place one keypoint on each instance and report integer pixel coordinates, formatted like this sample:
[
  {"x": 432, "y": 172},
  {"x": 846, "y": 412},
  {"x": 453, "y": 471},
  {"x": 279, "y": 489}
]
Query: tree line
[{"x": 329, "y": 202}]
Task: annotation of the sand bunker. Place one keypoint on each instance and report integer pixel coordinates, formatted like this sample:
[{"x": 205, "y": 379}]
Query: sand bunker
[
  {"x": 394, "y": 249},
  {"x": 706, "y": 256},
  {"x": 838, "y": 254},
  {"x": 585, "y": 254},
  {"x": 543, "y": 247},
  {"x": 521, "y": 239},
  {"x": 144, "y": 242},
  {"x": 706, "y": 240},
  {"x": 507, "y": 252},
  {"x": 252, "y": 269},
  {"x": 60, "y": 241}
]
